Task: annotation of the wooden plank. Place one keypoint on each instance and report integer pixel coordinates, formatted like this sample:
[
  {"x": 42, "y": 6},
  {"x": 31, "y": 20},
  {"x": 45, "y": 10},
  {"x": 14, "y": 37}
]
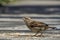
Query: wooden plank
[
  {"x": 21, "y": 27},
  {"x": 22, "y": 22},
  {"x": 30, "y": 15},
  {"x": 10, "y": 19},
  {"x": 17, "y": 36}
]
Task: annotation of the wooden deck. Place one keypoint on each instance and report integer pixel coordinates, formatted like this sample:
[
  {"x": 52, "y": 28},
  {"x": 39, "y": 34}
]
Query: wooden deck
[
  {"x": 17, "y": 36},
  {"x": 12, "y": 26}
]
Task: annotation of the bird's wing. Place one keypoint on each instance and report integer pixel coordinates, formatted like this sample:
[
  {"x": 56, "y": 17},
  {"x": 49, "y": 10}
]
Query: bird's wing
[{"x": 37, "y": 24}]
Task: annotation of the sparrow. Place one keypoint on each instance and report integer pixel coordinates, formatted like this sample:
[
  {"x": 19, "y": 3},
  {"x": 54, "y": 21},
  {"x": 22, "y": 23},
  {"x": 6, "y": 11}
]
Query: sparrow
[{"x": 36, "y": 26}]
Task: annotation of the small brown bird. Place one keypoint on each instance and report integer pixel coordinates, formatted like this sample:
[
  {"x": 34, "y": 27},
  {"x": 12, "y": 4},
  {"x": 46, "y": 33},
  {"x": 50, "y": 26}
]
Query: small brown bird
[{"x": 36, "y": 26}]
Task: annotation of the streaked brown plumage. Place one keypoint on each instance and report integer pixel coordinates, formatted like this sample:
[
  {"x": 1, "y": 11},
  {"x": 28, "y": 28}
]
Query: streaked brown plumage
[{"x": 36, "y": 26}]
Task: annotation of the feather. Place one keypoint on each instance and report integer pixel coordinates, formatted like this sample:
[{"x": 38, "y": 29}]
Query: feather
[{"x": 36, "y": 26}]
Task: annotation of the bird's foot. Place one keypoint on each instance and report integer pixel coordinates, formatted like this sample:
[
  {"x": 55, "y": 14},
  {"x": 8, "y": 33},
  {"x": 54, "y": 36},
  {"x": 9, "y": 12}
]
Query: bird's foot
[
  {"x": 40, "y": 35},
  {"x": 34, "y": 36}
]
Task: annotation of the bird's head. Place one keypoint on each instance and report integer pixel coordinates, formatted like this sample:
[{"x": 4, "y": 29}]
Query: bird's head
[{"x": 28, "y": 19}]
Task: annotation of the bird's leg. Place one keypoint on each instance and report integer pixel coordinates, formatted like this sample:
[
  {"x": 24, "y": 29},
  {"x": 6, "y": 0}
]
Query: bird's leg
[
  {"x": 36, "y": 33},
  {"x": 41, "y": 35}
]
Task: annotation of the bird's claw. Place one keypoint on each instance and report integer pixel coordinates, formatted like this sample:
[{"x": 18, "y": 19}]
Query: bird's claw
[
  {"x": 34, "y": 36},
  {"x": 38, "y": 35},
  {"x": 41, "y": 35}
]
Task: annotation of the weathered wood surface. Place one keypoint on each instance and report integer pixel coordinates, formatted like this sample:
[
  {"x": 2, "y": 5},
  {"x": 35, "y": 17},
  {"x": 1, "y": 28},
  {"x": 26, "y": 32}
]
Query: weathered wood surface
[
  {"x": 13, "y": 23},
  {"x": 12, "y": 27},
  {"x": 18, "y": 36}
]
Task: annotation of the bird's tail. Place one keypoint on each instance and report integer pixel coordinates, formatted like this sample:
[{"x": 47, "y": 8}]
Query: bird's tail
[{"x": 53, "y": 27}]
